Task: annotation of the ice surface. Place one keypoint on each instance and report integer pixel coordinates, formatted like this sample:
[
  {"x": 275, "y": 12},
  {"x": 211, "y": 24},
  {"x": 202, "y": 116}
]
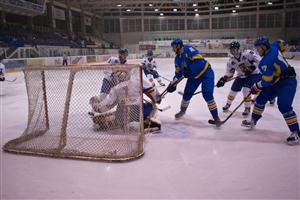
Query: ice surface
[{"x": 189, "y": 159}]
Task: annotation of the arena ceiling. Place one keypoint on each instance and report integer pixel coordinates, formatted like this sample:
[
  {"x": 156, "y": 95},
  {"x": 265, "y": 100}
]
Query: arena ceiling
[{"x": 178, "y": 7}]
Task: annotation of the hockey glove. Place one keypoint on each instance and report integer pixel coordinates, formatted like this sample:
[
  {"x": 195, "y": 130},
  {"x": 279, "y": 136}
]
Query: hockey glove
[
  {"x": 171, "y": 87},
  {"x": 248, "y": 70},
  {"x": 222, "y": 81},
  {"x": 2, "y": 78},
  {"x": 255, "y": 89}
]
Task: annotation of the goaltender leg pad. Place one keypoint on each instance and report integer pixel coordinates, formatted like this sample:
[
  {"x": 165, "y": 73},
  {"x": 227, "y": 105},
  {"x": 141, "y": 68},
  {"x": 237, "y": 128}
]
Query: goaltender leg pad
[{"x": 105, "y": 121}]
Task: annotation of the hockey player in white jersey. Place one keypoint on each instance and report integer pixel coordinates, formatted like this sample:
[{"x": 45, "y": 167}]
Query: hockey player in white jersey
[
  {"x": 2, "y": 71},
  {"x": 245, "y": 64},
  {"x": 150, "y": 68},
  {"x": 112, "y": 78},
  {"x": 125, "y": 96}
]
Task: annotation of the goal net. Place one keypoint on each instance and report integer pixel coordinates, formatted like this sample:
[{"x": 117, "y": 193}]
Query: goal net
[{"x": 60, "y": 121}]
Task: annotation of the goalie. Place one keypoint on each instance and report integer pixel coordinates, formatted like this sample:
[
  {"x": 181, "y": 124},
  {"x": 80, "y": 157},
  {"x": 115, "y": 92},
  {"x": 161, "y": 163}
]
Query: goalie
[{"x": 121, "y": 106}]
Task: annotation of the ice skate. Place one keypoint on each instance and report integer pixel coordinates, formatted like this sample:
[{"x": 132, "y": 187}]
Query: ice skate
[
  {"x": 216, "y": 121},
  {"x": 162, "y": 84},
  {"x": 249, "y": 124},
  {"x": 226, "y": 107},
  {"x": 294, "y": 138},
  {"x": 152, "y": 126},
  {"x": 246, "y": 112},
  {"x": 179, "y": 115}
]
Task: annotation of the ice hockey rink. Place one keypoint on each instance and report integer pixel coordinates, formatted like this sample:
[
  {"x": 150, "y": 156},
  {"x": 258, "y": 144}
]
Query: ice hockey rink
[{"x": 189, "y": 159}]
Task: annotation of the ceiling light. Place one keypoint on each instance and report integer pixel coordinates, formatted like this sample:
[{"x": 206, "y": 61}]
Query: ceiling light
[
  {"x": 194, "y": 4},
  {"x": 175, "y": 10},
  {"x": 119, "y": 5},
  {"x": 197, "y": 14},
  {"x": 241, "y": 0},
  {"x": 161, "y": 14},
  {"x": 128, "y": 10},
  {"x": 216, "y": 8},
  {"x": 270, "y": 3},
  {"x": 234, "y": 11},
  {"x": 150, "y": 4},
  {"x": 196, "y": 10},
  {"x": 156, "y": 9},
  {"x": 237, "y": 6}
]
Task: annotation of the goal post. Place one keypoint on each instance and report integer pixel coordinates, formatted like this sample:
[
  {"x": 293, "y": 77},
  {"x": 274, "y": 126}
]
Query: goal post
[{"x": 59, "y": 121}]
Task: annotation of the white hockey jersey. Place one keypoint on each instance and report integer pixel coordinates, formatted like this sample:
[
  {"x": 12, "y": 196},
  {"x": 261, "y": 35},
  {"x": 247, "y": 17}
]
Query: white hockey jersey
[
  {"x": 149, "y": 65},
  {"x": 248, "y": 58},
  {"x": 126, "y": 92},
  {"x": 2, "y": 70}
]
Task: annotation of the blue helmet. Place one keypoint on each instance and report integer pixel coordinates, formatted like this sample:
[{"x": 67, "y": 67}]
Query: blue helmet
[
  {"x": 234, "y": 44},
  {"x": 262, "y": 40},
  {"x": 149, "y": 53},
  {"x": 177, "y": 43},
  {"x": 123, "y": 51}
]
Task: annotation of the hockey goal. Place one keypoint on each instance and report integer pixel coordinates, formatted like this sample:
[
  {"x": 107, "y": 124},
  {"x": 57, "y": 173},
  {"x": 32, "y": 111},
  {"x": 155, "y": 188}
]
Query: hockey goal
[{"x": 59, "y": 123}]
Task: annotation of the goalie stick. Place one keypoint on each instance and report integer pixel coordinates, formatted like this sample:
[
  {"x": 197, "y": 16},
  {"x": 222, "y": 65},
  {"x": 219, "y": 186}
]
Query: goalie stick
[
  {"x": 211, "y": 121},
  {"x": 181, "y": 93},
  {"x": 13, "y": 80}
]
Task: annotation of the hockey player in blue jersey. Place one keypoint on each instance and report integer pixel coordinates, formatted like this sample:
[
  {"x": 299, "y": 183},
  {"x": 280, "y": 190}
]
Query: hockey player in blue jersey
[
  {"x": 150, "y": 69},
  {"x": 282, "y": 46},
  {"x": 191, "y": 65},
  {"x": 278, "y": 80}
]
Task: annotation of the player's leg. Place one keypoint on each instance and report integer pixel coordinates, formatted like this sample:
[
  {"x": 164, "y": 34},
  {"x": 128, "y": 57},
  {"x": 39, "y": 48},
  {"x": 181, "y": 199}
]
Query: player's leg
[
  {"x": 157, "y": 78},
  {"x": 190, "y": 88},
  {"x": 286, "y": 93},
  {"x": 259, "y": 107},
  {"x": 235, "y": 88},
  {"x": 248, "y": 83},
  {"x": 208, "y": 94},
  {"x": 150, "y": 123},
  {"x": 149, "y": 76}
]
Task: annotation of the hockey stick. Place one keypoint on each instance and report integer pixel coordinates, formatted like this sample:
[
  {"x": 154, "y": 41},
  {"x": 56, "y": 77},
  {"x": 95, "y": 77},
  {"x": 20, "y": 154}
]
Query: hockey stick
[
  {"x": 181, "y": 93},
  {"x": 164, "y": 109},
  {"x": 165, "y": 78},
  {"x": 229, "y": 116},
  {"x": 290, "y": 58},
  {"x": 13, "y": 80},
  {"x": 175, "y": 83}
]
